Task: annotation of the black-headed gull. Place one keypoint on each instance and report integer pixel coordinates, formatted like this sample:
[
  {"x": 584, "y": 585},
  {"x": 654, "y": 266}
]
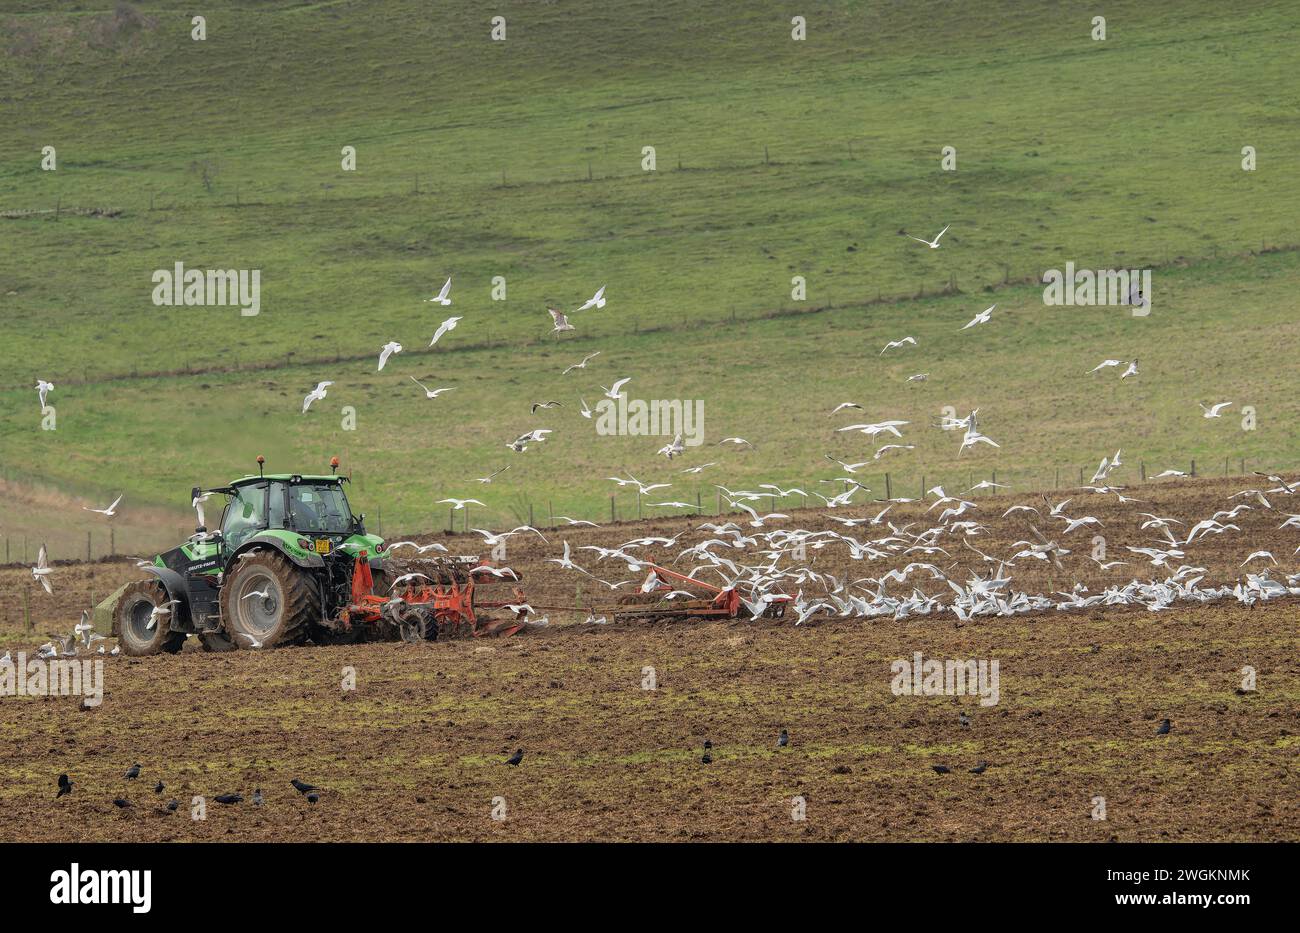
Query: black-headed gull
[
  {"x": 458, "y": 504},
  {"x": 933, "y": 244},
  {"x": 982, "y": 317},
  {"x": 520, "y": 443},
  {"x": 42, "y": 570},
  {"x": 583, "y": 365},
  {"x": 616, "y": 390},
  {"x": 898, "y": 343},
  {"x": 596, "y": 301},
  {"x": 316, "y": 394},
  {"x": 1214, "y": 411},
  {"x": 43, "y": 389},
  {"x": 430, "y": 393},
  {"x": 449, "y": 324},
  {"x": 388, "y": 350},
  {"x": 110, "y": 511},
  {"x": 442, "y": 296}
]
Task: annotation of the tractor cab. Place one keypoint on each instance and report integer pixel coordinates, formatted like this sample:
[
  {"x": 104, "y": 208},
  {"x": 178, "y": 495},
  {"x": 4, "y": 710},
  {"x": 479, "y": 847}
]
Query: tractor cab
[{"x": 314, "y": 508}]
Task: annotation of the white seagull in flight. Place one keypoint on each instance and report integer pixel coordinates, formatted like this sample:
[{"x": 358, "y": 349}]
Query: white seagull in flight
[
  {"x": 616, "y": 390},
  {"x": 982, "y": 317},
  {"x": 315, "y": 395},
  {"x": 449, "y": 324},
  {"x": 441, "y": 298},
  {"x": 583, "y": 365},
  {"x": 430, "y": 393},
  {"x": 110, "y": 511},
  {"x": 596, "y": 301},
  {"x": 388, "y": 350},
  {"x": 933, "y": 244}
]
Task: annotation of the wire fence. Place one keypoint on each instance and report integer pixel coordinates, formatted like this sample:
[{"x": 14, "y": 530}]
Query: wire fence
[{"x": 108, "y": 541}]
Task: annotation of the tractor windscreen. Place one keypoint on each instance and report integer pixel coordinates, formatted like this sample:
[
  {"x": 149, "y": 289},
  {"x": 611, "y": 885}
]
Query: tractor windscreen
[{"x": 321, "y": 509}]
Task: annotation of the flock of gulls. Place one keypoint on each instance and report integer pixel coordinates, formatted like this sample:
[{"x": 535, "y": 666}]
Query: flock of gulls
[
  {"x": 764, "y": 563},
  {"x": 762, "y": 557}
]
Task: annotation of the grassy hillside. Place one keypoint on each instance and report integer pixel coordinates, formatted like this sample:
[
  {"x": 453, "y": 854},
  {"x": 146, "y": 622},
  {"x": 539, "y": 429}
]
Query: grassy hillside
[{"x": 775, "y": 158}]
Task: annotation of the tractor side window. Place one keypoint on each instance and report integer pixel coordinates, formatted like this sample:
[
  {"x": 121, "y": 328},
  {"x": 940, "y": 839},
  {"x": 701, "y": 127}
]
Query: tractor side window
[
  {"x": 244, "y": 516},
  {"x": 275, "y": 509}
]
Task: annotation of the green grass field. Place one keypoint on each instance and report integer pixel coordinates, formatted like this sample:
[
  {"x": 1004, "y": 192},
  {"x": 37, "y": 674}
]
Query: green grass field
[{"x": 775, "y": 158}]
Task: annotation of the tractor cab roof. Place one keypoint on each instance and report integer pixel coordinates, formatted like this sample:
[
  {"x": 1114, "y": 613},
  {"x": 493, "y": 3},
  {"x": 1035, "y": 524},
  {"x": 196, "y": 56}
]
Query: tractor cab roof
[
  {"x": 281, "y": 478},
  {"x": 285, "y": 477}
]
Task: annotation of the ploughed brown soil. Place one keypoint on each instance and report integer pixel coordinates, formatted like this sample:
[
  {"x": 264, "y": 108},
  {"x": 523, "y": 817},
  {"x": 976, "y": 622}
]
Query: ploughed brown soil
[{"x": 417, "y": 750}]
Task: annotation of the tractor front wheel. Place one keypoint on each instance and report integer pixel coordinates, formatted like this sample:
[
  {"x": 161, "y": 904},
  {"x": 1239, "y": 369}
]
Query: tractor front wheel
[
  {"x": 139, "y": 632},
  {"x": 267, "y": 600}
]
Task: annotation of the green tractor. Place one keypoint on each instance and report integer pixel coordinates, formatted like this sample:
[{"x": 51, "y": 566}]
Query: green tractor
[{"x": 279, "y": 570}]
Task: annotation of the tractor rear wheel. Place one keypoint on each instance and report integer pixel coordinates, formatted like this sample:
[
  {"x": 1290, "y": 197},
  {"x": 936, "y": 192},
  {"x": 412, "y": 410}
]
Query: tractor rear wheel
[
  {"x": 131, "y": 621},
  {"x": 268, "y": 601}
]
